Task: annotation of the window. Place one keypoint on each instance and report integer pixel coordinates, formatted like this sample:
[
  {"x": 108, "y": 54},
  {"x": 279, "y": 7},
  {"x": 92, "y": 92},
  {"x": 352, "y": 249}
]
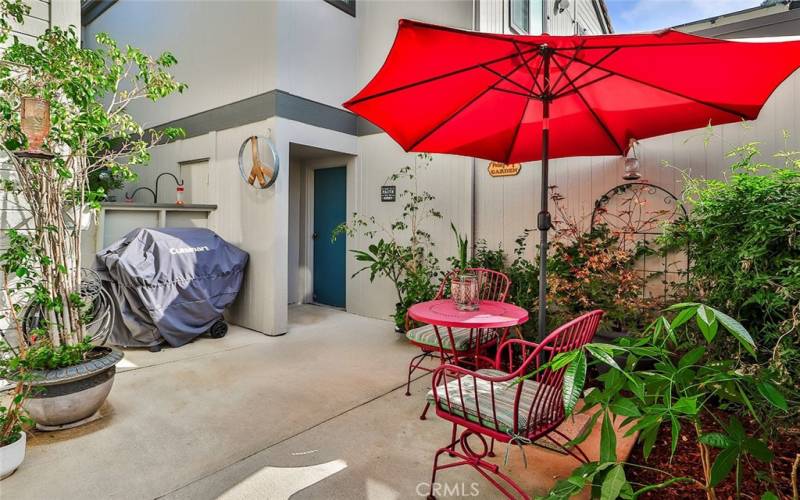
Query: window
[
  {"x": 348, "y": 6},
  {"x": 519, "y": 18}
]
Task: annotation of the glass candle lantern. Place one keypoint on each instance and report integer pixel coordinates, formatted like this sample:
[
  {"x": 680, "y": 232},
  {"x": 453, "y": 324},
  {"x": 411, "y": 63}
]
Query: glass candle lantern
[{"x": 632, "y": 169}]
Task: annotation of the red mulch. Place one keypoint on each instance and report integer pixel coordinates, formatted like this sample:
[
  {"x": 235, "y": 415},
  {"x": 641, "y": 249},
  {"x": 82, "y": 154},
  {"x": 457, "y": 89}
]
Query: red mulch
[{"x": 756, "y": 477}]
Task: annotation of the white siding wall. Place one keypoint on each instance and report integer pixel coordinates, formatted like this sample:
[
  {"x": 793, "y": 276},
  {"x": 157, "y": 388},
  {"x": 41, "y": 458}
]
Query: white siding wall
[
  {"x": 507, "y": 205},
  {"x": 494, "y": 17},
  {"x": 580, "y": 11}
]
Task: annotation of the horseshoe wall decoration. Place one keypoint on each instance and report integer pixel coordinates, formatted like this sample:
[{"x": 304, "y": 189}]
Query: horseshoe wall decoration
[{"x": 258, "y": 168}]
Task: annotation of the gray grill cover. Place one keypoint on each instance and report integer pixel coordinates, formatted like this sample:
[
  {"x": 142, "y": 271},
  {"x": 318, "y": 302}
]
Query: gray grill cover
[{"x": 170, "y": 283}]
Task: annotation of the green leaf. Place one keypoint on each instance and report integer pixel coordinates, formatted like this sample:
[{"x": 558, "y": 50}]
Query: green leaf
[
  {"x": 723, "y": 465},
  {"x": 707, "y": 323},
  {"x": 624, "y": 407},
  {"x": 686, "y": 405},
  {"x": 681, "y": 305},
  {"x": 574, "y": 378},
  {"x": 608, "y": 440},
  {"x": 613, "y": 483},
  {"x": 675, "y": 430},
  {"x": 580, "y": 438},
  {"x": 758, "y": 449},
  {"x": 772, "y": 395},
  {"x": 683, "y": 316},
  {"x": 715, "y": 439},
  {"x": 768, "y": 495},
  {"x": 691, "y": 357},
  {"x": 604, "y": 353},
  {"x": 563, "y": 359},
  {"x": 737, "y": 330},
  {"x": 648, "y": 437}
]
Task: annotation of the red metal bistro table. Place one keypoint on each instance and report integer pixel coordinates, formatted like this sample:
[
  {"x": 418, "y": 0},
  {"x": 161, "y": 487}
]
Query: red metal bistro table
[{"x": 499, "y": 316}]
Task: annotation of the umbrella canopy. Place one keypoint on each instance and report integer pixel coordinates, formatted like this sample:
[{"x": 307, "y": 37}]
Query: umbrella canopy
[{"x": 512, "y": 98}]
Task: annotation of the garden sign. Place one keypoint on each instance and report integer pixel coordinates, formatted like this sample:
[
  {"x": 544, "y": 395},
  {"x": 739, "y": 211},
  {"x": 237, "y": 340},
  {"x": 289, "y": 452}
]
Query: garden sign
[{"x": 497, "y": 169}]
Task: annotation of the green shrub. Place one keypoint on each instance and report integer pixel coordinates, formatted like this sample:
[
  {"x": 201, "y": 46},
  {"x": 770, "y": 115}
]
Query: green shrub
[
  {"x": 403, "y": 252},
  {"x": 667, "y": 377},
  {"x": 744, "y": 237}
]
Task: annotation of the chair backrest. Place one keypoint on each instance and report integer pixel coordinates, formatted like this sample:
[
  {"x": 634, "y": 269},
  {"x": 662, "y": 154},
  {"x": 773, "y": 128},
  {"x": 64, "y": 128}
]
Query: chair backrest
[
  {"x": 493, "y": 284},
  {"x": 547, "y": 405}
]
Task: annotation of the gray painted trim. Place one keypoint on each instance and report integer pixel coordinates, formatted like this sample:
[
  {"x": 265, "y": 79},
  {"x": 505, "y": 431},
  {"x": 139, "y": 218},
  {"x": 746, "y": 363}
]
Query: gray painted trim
[
  {"x": 785, "y": 23},
  {"x": 366, "y": 127},
  {"x": 92, "y": 9},
  {"x": 314, "y": 113},
  {"x": 273, "y": 103}
]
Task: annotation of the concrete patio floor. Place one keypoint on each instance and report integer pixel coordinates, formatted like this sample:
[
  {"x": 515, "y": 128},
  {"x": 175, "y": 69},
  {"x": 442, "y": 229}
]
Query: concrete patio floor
[{"x": 317, "y": 413}]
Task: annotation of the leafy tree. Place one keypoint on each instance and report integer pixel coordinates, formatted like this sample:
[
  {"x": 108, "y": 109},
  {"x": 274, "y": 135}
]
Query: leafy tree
[{"x": 90, "y": 92}]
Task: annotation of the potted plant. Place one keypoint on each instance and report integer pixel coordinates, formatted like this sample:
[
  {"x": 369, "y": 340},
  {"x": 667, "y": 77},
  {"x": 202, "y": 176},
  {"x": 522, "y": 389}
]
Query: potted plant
[
  {"x": 63, "y": 118},
  {"x": 465, "y": 286},
  {"x": 13, "y": 419}
]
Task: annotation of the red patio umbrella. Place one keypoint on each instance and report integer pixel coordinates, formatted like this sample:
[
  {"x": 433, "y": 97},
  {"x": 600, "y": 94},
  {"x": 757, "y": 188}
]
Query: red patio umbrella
[{"x": 498, "y": 97}]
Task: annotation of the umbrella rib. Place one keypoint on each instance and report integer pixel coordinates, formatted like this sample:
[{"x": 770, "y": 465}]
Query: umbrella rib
[
  {"x": 536, "y": 76},
  {"x": 564, "y": 93},
  {"x": 437, "y": 77},
  {"x": 509, "y": 80},
  {"x": 461, "y": 109},
  {"x": 527, "y": 66},
  {"x": 584, "y": 72},
  {"x": 595, "y": 115},
  {"x": 673, "y": 92},
  {"x": 564, "y": 70},
  {"x": 516, "y": 131},
  {"x": 525, "y": 94}
]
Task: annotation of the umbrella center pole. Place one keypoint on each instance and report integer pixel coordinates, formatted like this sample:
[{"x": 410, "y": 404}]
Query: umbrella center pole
[{"x": 544, "y": 221}]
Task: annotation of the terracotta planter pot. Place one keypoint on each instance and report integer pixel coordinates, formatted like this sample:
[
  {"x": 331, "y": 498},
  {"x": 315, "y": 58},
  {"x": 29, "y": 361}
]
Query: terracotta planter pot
[
  {"x": 11, "y": 456},
  {"x": 68, "y": 395}
]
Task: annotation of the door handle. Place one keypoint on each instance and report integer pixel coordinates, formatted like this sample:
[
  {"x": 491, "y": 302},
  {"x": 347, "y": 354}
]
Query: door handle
[{"x": 315, "y": 236}]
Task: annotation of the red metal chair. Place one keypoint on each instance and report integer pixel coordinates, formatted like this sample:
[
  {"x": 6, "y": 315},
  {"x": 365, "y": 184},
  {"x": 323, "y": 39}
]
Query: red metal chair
[
  {"x": 457, "y": 346},
  {"x": 488, "y": 402}
]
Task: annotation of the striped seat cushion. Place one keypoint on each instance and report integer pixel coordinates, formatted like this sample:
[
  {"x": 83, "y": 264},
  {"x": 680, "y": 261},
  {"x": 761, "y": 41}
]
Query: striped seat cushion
[
  {"x": 479, "y": 409},
  {"x": 427, "y": 335}
]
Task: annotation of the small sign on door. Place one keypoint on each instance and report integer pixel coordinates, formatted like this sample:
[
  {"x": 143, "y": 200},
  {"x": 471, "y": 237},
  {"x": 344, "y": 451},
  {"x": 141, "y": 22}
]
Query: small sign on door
[{"x": 388, "y": 193}]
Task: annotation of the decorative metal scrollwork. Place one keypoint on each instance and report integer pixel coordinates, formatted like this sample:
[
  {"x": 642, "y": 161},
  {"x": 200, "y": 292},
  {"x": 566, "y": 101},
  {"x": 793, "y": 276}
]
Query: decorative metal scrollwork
[{"x": 636, "y": 213}]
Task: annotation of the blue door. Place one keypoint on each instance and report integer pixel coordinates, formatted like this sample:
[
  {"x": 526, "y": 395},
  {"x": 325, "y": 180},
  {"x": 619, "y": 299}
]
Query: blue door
[{"x": 330, "y": 210}]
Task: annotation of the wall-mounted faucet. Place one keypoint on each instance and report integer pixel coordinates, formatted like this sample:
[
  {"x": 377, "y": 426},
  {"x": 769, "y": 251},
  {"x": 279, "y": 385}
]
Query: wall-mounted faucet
[
  {"x": 129, "y": 197},
  {"x": 177, "y": 182}
]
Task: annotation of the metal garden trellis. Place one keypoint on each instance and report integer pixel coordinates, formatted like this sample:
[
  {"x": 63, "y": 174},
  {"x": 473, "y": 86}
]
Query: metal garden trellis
[
  {"x": 485, "y": 95},
  {"x": 635, "y": 212}
]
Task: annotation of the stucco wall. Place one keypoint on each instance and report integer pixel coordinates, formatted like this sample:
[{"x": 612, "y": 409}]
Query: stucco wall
[
  {"x": 226, "y": 50},
  {"x": 316, "y": 52}
]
